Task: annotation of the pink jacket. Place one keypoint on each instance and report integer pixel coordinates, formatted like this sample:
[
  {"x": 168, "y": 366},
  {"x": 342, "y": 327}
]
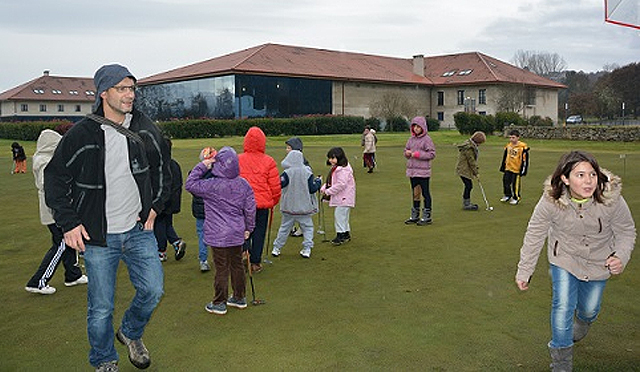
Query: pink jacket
[
  {"x": 343, "y": 188},
  {"x": 423, "y": 151}
]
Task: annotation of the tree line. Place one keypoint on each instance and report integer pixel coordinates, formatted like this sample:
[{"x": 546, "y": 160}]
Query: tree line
[{"x": 610, "y": 93}]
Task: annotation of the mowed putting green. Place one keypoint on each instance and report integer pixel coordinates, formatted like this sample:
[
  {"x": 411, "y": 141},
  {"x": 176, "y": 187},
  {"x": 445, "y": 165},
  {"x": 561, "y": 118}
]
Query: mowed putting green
[{"x": 404, "y": 298}]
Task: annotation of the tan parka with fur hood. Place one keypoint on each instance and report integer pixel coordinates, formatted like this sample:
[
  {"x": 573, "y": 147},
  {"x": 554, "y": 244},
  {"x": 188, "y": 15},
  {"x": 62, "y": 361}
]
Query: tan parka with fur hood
[{"x": 580, "y": 237}]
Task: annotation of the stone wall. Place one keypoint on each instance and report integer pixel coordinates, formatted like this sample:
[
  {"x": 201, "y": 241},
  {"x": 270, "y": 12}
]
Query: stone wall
[{"x": 580, "y": 133}]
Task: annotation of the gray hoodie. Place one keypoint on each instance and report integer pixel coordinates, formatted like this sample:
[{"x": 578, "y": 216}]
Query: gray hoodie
[
  {"x": 298, "y": 186},
  {"x": 47, "y": 143}
]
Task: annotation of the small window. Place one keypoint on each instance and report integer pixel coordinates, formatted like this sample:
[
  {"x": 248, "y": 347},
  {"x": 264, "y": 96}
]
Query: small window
[
  {"x": 78, "y": 108},
  {"x": 43, "y": 108},
  {"x": 465, "y": 72},
  {"x": 440, "y": 98},
  {"x": 482, "y": 96},
  {"x": 483, "y": 113},
  {"x": 530, "y": 96},
  {"x": 461, "y": 97},
  {"x": 60, "y": 108},
  {"x": 449, "y": 73},
  {"x": 24, "y": 107},
  {"x": 440, "y": 115}
]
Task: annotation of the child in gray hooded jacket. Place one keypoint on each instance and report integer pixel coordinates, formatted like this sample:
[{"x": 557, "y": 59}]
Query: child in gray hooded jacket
[{"x": 298, "y": 202}]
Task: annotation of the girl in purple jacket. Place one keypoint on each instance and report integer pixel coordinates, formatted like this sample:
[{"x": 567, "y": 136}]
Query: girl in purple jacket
[
  {"x": 419, "y": 152},
  {"x": 230, "y": 211},
  {"x": 341, "y": 189}
]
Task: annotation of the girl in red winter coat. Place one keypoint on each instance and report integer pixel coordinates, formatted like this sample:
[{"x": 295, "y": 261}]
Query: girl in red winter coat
[{"x": 260, "y": 170}]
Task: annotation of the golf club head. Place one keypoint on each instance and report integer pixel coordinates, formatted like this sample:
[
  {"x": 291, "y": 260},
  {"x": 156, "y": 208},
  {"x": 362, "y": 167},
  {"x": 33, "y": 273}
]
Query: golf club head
[
  {"x": 320, "y": 232},
  {"x": 257, "y": 302}
]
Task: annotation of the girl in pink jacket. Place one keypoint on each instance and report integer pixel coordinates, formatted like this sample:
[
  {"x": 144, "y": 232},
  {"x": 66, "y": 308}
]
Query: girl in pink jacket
[
  {"x": 419, "y": 151},
  {"x": 341, "y": 190}
]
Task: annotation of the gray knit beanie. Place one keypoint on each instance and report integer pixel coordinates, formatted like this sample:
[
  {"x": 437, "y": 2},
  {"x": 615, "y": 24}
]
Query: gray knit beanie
[{"x": 106, "y": 77}]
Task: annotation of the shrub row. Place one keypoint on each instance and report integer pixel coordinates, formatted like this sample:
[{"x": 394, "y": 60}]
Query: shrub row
[
  {"x": 210, "y": 128},
  {"x": 467, "y": 123}
]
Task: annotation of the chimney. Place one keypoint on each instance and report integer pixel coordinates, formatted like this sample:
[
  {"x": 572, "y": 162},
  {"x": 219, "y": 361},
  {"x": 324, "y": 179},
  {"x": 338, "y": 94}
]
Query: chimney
[
  {"x": 46, "y": 73},
  {"x": 418, "y": 65}
]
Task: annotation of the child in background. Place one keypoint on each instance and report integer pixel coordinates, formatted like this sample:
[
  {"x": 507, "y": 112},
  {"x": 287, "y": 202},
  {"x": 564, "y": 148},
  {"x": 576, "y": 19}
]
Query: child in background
[
  {"x": 515, "y": 163},
  {"x": 467, "y": 167},
  {"x": 230, "y": 212},
  {"x": 369, "y": 151},
  {"x": 19, "y": 158},
  {"x": 419, "y": 151},
  {"x": 163, "y": 226},
  {"x": 590, "y": 235},
  {"x": 39, "y": 282},
  {"x": 197, "y": 210},
  {"x": 298, "y": 202},
  {"x": 341, "y": 189}
]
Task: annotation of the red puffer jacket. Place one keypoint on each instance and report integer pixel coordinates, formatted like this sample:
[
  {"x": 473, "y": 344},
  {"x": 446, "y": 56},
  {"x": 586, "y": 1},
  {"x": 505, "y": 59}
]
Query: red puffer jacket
[{"x": 259, "y": 169}]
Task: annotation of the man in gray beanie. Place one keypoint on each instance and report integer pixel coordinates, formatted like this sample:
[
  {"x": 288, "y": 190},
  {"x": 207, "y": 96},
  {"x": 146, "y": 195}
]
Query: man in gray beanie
[{"x": 90, "y": 184}]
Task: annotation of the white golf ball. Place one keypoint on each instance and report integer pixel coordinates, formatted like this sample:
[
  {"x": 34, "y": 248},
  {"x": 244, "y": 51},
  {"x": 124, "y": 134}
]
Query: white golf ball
[{"x": 490, "y": 208}]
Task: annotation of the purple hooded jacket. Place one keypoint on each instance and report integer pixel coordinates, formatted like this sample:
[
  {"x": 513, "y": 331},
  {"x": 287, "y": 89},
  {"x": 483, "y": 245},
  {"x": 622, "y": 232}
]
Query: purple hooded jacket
[
  {"x": 229, "y": 204},
  {"x": 422, "y": 150}
]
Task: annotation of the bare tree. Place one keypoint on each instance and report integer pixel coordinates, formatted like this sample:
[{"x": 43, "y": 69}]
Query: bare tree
[
  {"x": 541, "y": 63},
  {"x": 391, "y": 105},
  {"x": 511, "y": 98}
]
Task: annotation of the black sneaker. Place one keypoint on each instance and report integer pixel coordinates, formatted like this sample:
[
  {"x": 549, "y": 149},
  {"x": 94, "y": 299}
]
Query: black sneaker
[
  {"x": 138, "y": 353},
  {"x": 181, "y": 247},
  {"x": 337, "y": 240}
]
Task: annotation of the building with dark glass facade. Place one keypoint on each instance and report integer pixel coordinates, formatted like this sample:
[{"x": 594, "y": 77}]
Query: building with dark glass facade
[{"x": 274, "y": 80}]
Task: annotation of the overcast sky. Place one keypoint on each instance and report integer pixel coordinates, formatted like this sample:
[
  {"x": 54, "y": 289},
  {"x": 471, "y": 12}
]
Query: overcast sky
[{"x": 75, "y": 37}]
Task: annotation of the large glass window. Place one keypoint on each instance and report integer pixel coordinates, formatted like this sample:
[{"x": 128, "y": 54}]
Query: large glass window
[
  {"x": 201, "y": 98},
  {"x": 236, "y": 96},
  {"x": 440, "y": 98}
]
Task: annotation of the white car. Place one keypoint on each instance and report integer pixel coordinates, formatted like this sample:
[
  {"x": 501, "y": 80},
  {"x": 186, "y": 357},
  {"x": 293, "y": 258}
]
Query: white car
[{"x": 574, "y": 119}]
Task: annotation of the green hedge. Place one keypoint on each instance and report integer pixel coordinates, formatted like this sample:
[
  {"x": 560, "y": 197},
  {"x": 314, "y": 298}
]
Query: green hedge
[
  {"x": 209, "y": 128},
  {"x": 29, "y": 130}
]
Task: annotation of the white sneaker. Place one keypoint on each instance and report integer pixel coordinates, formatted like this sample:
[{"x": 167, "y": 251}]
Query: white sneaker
[
  {"x": 505, "y": 199},
  {"x": 513, "y": 201},
  {"x": 81, "y": 280},
  {"x": 204, "y": 266},
  {"x": 305, "y": 252},
  {"x": 275, "y": 252},
  {"x": 43, "y": 291}
]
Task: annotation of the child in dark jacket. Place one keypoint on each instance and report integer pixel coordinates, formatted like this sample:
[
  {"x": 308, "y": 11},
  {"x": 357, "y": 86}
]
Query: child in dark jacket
[
  {"x": 230, "y": 211},
  {"x": 19, "y": 158},
  {"x": 163, "y": 226},
  {"x": 197, "y": 210}
]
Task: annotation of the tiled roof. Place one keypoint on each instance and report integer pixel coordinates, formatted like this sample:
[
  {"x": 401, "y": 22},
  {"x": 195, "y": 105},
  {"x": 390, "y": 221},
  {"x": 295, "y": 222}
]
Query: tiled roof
[
  {"x": 478, "y": 68},
  {"x": 53, "y": 88},
  {"x": 293, "y": 61}
]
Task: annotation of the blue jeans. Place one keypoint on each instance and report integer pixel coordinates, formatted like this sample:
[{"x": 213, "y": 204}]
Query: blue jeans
[
  {"x": 203, "y": 250},
  {"x": 138, "y": 249},
  {"x": 572, "y": 296}
]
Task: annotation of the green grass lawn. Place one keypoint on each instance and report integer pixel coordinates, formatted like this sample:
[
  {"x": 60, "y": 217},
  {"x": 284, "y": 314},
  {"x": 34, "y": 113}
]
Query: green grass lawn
[{"x": 433, "y": 298}]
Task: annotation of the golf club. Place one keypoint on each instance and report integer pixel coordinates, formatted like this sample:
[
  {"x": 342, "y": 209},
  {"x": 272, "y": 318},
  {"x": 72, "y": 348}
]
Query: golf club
[
  {"x": 266, "y": 258},
  {"x": 254, "y": 301},
  {"x": 484, "y": 196},
  {"x": 321, "y": 224}
]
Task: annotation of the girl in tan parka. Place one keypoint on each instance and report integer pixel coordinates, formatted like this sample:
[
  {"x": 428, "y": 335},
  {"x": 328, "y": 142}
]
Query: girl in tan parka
[{"x": 590, "y": 235}]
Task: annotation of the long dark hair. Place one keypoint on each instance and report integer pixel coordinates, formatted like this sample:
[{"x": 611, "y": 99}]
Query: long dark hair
[
  {"x": 565, "y": 166},
  {"x": 338, "y": 153}
]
